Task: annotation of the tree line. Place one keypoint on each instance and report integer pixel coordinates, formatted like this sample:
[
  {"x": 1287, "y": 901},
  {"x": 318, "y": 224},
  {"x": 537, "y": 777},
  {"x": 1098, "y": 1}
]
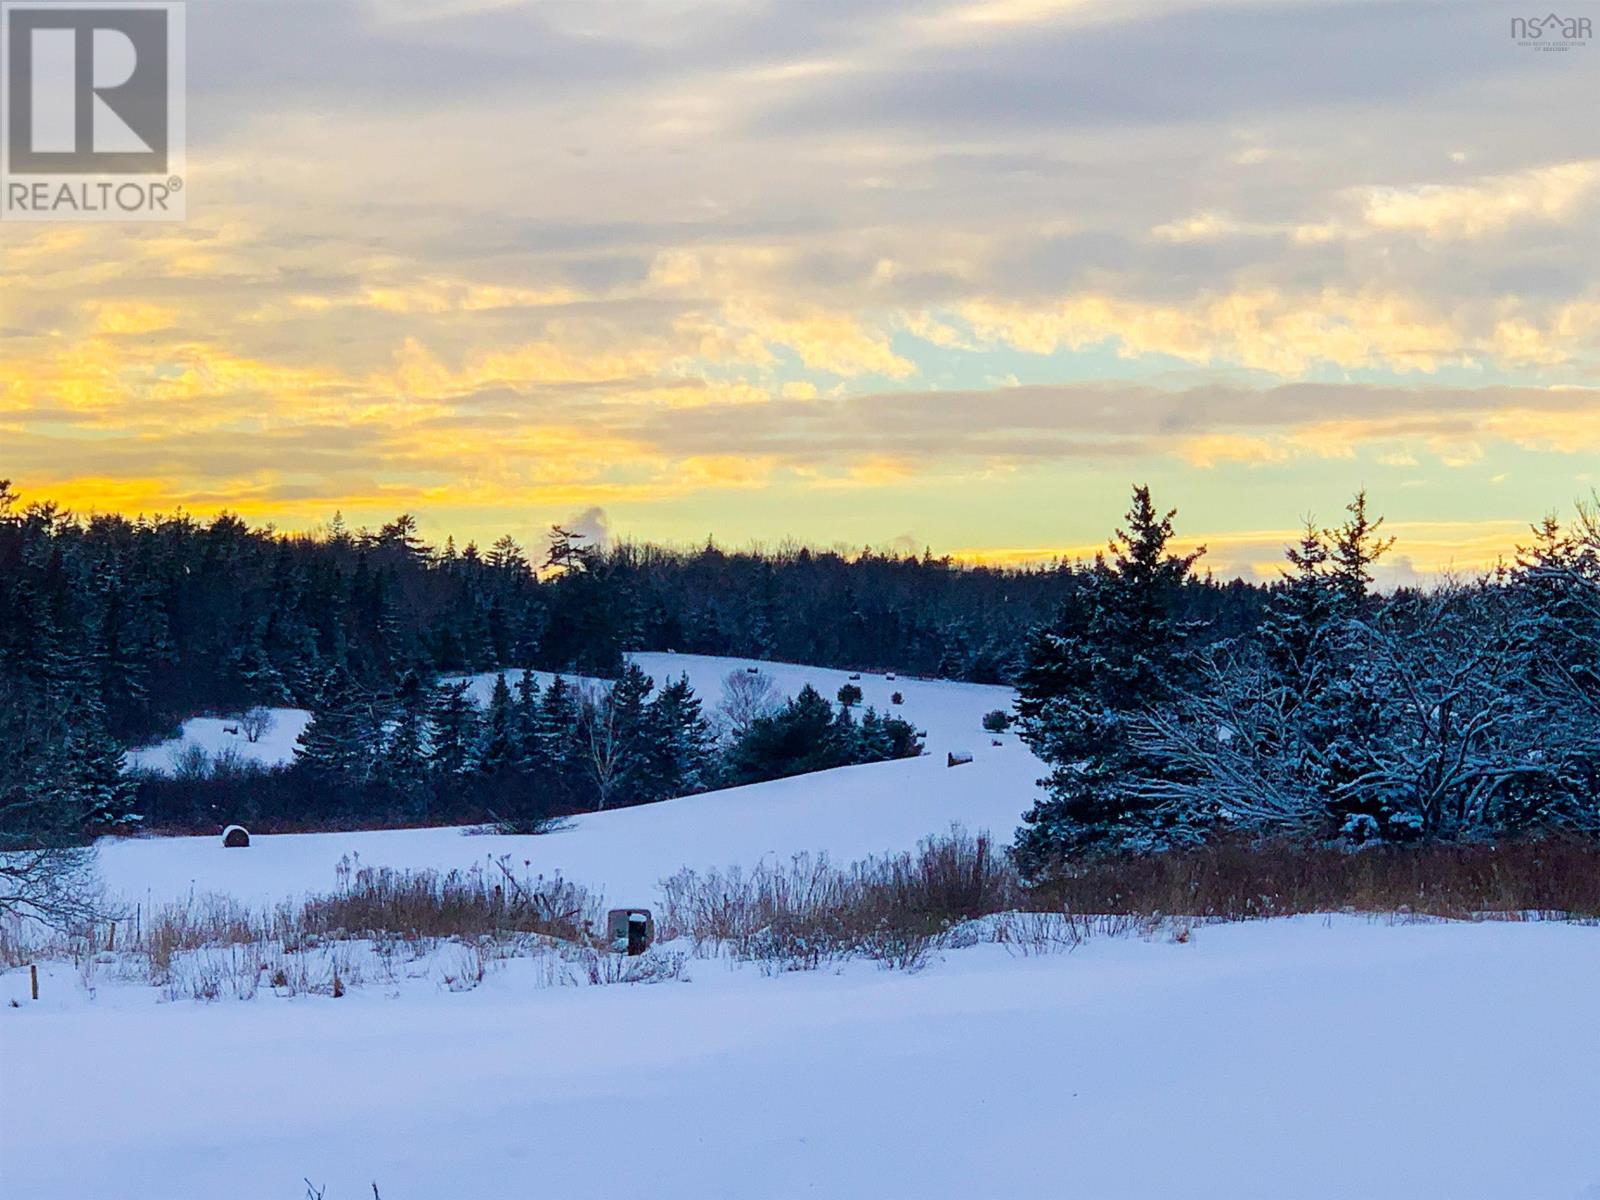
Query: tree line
[
  {"x": 168, "y": 616},
  {"x": 1172, "y": 709},
  {"x": 1470, "y": 710},
  {"x": 115, "y": 629},
  {"x": 430, "y": 753}
]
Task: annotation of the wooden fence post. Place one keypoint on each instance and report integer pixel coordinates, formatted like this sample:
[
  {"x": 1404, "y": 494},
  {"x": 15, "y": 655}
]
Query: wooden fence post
[{"x": 33, "y": 979}]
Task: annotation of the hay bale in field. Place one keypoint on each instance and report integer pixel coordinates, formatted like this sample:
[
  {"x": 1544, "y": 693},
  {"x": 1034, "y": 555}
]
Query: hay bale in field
[{"x": 235, "y": 836}]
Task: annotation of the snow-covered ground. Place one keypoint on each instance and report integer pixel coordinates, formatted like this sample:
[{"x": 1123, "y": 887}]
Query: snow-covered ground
[
  {"x": 849, "y": 814},
  {"x": 222, "y": 735},
  {"x": 1304, "y": 1059},
  {"x": 1307, "y": 1059}
]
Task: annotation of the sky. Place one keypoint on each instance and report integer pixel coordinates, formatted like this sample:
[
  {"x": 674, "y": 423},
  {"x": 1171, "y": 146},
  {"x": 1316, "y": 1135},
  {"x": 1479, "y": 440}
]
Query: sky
[{"x": 903, "y": 273}]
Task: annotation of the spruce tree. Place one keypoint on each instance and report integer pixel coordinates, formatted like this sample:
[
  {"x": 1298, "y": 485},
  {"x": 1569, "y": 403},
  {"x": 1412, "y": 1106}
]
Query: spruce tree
[
  {"x": 511, "y": 778},
  {"x": 677, "y": 741},
  {"x": 800, "y": 737},
  {"x": 403, "y": 765},
  {"x": 260, "y": 681},
  {"x": 873, "y": 741},
  {"x": 91, "y": 779},
  {"x": 1117, "y": 647},
  {"x": 558, "y": 716},
  {"x": 453, "y": 731},
  {"x": 338, "y": 743},
  {"x": 1349, "y": 714},
  {"x": 1355, "y": 547},
  {"x": 559, "y": 758},
  {"x": 525, "y": 722},
  {"x": 499, "y": 752},
  {"x": 1299, "y": 624}
]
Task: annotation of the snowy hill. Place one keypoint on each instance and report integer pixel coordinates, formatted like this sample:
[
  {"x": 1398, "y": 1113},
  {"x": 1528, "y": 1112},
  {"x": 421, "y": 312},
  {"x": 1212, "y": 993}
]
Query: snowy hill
[
  {"x": 848, "y": 813},
  {"x": 1254, "y": 1061},
  {"x": 948, "y": 711}
]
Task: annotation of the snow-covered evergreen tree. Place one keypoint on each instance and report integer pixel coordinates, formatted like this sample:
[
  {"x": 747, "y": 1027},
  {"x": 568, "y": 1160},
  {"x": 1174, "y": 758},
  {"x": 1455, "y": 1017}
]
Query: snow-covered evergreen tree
[
  {"x": 403, "y": 764},
  {"x": 678, "y": 741},
  {"x": 1355, "y": 547},
  {"x": 453, "y": 730},
  {"x": 499, "y": 751},
  {"x": 525, "y": 721},
  {"x": 1117, "y": 648},
  {"x": 339, "y": 743},
  {"x": 555, "y": 735},
  {"x": 611, "y": 737},
  {"x": 89, "y": 776}
]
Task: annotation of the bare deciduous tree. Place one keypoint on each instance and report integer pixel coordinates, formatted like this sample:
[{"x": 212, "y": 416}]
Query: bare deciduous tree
[
  {"x": 44, "y": 875},
  {"x": 610, "y": 725},
  {"x": 604, "y": 744},
  {"x": 1436, "y": 721},
  {"x": 55, "y": 886},
  {"x": 190, "y": 763},
  {"x": 746, "y": 696},
  {"x": 1232, "y": 754},
  {"x": 255, "y": 723}
]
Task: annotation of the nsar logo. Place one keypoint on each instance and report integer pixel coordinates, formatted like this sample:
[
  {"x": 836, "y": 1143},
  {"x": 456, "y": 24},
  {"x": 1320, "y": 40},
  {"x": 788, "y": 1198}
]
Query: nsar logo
[{"x": 1551, "y": 32}]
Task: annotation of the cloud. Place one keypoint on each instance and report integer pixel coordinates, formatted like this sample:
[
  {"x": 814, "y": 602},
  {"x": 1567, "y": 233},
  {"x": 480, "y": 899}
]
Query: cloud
[
  {"x": 1208, "y": 450},
  {"x": 1201, "y": 227},
  {"x": 1140, "y": 66},
  {"x": 1448, "y": 211},
  {"x": 713, "y": 264},
  {"x": 1264, "y": 330}
]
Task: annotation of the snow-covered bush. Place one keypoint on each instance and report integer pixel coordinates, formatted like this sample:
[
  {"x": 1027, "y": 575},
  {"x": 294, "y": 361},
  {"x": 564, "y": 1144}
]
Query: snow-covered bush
[
  {"x": 997, "y": 721},
  {"x": 190, "y": 763}
]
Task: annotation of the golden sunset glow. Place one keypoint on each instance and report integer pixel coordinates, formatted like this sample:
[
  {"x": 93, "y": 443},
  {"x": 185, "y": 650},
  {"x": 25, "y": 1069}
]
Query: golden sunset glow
[{"x": 912, "y": 276}]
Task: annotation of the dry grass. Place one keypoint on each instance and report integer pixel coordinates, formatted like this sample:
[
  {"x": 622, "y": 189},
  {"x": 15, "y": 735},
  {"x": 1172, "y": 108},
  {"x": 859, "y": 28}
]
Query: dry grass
[
  {"x": 383, "y": 927},
  {"x": 900, "y": 910},
  {"x": 796, "y": 917},
  {"x": 457, "y": 904},
  {"x": 15, "y": 947},
  {"x": 380, "y": 926},
  {"x": 1549, "y": 878}
]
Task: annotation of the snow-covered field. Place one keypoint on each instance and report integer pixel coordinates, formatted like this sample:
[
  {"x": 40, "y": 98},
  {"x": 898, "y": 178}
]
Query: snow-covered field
[
  {"x": 849, "y": 814},
  {"x": 1287, "y": 1060},
  {"x": 1307, "y": 1059},
  {"x": 221, "y": 735}
]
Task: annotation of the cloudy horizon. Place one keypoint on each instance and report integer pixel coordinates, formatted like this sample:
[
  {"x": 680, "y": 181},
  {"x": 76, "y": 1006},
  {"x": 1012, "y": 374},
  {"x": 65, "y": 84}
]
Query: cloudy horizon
[{"x": 869, "y": 272}]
